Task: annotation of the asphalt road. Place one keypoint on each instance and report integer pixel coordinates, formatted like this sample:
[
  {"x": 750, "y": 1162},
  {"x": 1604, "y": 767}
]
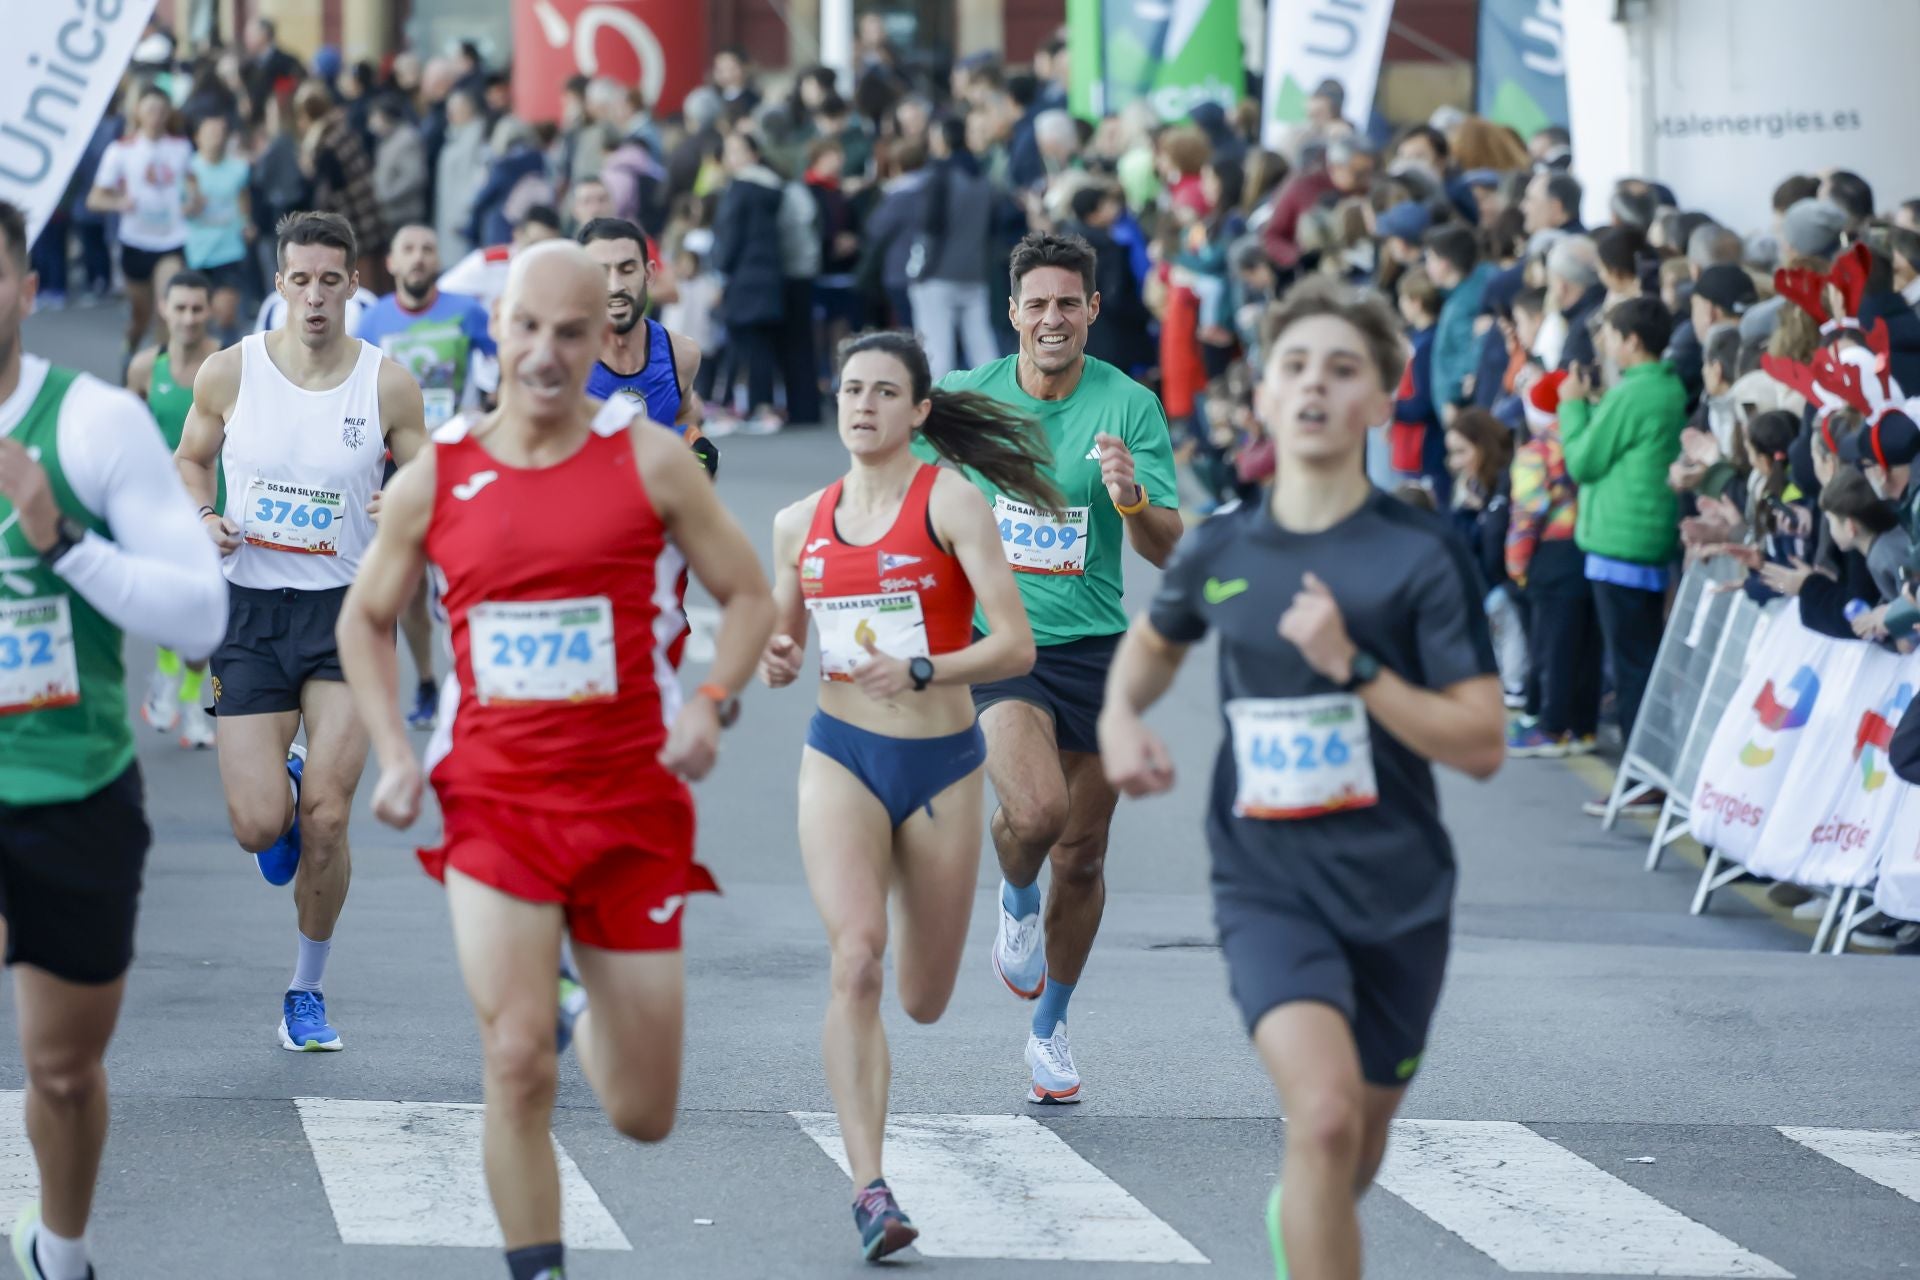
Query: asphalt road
[{"x": 1614, "y": 1087}]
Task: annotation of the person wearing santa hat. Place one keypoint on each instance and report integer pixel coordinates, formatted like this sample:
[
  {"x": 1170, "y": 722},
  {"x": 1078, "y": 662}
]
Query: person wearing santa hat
[{"x": 1563, "y": 630}]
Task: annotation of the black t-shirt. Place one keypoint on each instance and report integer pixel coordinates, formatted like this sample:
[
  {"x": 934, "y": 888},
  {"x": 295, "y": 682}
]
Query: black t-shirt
[{"x": 1407, "y": 591}]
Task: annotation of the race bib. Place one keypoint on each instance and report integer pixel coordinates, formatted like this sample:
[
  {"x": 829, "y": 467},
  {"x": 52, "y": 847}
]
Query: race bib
[
  {"x": 1301, "y": 757},
  {"x": 893, "y": 624},
  {"x": 37, "y": 667},
  {"x": 1037, "y": 543},
  {"x": 439, "y": 405},
  {"x": 542, "y": 651},
  {"x": 290, "y": 517}
]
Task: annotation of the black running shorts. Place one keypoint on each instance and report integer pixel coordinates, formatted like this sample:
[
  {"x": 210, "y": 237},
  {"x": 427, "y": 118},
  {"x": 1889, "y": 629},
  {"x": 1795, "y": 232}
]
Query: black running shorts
[
  {"x": 1068, "y": 682},
  {"x": 70, "y": 881},
  {"x": 277, "y": 640},
  {"x": 1388, "y": 990}
]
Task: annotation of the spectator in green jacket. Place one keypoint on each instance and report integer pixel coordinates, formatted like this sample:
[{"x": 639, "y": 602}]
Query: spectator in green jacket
[
  {"x": 1453, "y": 263},
  {"x": 1619, "y": 454}
]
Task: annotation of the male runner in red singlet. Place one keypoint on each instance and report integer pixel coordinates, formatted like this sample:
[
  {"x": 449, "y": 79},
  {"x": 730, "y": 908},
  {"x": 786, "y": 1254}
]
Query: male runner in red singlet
[{"x": 562, "y": 773}]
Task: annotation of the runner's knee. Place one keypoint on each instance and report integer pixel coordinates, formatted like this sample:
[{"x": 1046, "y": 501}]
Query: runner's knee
[
  {"x": 1036, "y": 822},
  {"x": 65, "y": 1078},
  {"x": 1081, "y": 863},
  {"x": 859, "y": 974},
  {"x": 323, "y": 819},
  {"x": 644, "y": 1119},
  {"x": 522, "y": 1065},
  {"x": 257, "y": 827},
  {"x": 1328, "y": 1122}
]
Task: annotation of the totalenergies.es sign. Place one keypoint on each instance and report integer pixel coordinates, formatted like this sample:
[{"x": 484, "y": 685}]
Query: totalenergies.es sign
[{"x": 659, "y": 45}]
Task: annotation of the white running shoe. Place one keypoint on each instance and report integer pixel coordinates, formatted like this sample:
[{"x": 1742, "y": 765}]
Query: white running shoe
[
  {"x": 1020, "y": 952},
  {"x": 1055, "y": 1080},
  {"x": 161, "y": 710},
  {"x": 196, "y": 727}
]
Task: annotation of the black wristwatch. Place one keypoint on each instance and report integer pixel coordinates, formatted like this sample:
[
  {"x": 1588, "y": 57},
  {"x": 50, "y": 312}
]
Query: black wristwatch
[
  {"x": 1364, "y": 671},
  {"x": 68, "y": 534},
  {"x": 921, "y": 670}
]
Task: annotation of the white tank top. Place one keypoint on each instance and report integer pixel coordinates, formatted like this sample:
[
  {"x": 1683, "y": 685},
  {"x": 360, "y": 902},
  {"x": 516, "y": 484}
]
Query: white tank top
[{"x": 301, "y": 467}]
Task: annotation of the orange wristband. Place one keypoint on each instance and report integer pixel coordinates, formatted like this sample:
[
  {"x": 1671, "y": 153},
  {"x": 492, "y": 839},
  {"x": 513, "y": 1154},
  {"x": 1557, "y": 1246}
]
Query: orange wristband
[
  {"x": 1137, "y": 507},
  {"x": 714, "y": 693}
]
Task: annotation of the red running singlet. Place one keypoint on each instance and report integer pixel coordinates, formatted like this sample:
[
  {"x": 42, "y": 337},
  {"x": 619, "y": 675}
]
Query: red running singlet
[
  {"x": 905, "y": 594},
  {"x": 559, "y": 589}
]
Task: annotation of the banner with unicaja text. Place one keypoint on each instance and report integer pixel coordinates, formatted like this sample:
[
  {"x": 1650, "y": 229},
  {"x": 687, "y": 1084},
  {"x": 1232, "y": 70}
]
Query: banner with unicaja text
[
  {"x": 1176, "y": 54},
  {"x": 58, "y": 72},
  {"x": 1523, "y": 67},
  {"x": 1309, "y": 41}
]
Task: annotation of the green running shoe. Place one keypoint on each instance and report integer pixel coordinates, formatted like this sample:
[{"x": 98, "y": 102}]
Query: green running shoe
[{"x": 1273, "y": 1235}]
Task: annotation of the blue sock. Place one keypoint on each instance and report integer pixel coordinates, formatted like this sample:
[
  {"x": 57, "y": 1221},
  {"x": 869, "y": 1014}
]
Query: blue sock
[
  {"x": 1051, "y": 1007},
  {"x": 1020, "y": 902}
]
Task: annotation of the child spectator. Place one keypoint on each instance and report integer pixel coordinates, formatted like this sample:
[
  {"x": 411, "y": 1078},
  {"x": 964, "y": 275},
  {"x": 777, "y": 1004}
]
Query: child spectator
[{"x": 1416, "y": 448}]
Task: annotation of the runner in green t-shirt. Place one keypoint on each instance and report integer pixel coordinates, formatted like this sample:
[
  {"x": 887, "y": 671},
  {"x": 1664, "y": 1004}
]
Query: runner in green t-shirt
[
  {"x": 96, "y": 533},
  {"x": 163, "y": 377},
  {"x": 1113, "y": 461}
]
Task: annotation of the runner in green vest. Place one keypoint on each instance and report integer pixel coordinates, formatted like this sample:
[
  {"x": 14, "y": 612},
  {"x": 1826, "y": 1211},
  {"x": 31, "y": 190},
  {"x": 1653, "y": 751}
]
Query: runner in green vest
[
  {"x": 163, "y": 377},
  {"x": 1113, "y": 461},
  {"x": 96, "y": 533}
]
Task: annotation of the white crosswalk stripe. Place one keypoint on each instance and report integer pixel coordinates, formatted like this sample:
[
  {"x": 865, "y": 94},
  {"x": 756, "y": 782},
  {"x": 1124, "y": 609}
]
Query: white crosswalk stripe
[
  {"x": 19, "y": 1177},
  {"x": 409, "y": 1173},
  {"x": 1008, "y": 1187},
  {"x": 1532, "y": 1205},
  {"x": 1890, "y": 1158}
]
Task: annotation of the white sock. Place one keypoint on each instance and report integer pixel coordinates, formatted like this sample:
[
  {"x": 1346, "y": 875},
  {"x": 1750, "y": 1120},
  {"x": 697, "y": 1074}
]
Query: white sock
[
  {"x": 59, "y": 1257},
  {"x": 312, "y": 965}
]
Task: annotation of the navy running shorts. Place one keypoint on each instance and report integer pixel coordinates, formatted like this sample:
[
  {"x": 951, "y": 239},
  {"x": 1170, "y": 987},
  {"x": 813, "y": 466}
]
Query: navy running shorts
[
  {"x": 277, "y": 640},
  {"x": 1277, "y": 954},
  {"x": 1068, "y": 682}
]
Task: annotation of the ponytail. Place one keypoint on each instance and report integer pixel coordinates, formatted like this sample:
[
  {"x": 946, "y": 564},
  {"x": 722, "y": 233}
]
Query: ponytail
[{"x": 971, "y": 429}]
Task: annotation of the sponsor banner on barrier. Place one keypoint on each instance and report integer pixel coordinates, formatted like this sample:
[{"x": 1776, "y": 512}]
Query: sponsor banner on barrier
[
  {"x": 1784, "y": 702},
  {"x": 1898, "y": 891},
  {"x": 59, "y": 69},
  {"x": 1840, "y": 793},
  {"x": 659, "y": 46}
]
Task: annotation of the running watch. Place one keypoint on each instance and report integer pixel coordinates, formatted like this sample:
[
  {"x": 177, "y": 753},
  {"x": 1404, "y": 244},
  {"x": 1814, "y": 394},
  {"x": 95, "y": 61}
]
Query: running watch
[
  {"x": 921, "y": 671},
  {"x": 68, "y": 534},
  {"x": 1364, "y": 670}
]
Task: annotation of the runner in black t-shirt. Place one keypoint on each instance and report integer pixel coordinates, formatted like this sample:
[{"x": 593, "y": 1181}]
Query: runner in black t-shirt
[{"x": 1353, "y": 651}]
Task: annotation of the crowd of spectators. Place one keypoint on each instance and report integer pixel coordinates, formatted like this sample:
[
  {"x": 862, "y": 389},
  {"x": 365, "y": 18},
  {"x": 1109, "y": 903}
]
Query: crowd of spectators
[{"x": 1589, "y": 404}]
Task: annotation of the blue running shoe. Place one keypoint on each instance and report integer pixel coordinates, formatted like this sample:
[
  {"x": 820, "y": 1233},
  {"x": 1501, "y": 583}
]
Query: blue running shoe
[
  {"x": 426, "y": 704},
  {"x": 303, "y": 1024},
  {"x": 884, "y": 1229},
  {"x": 573, "y": 1003},
  {"x": 278, "y": 863}
]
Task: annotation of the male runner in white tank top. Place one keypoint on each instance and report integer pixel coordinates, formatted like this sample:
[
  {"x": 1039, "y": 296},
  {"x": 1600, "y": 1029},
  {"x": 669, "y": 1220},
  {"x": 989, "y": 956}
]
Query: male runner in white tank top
[{"x": 301, "y": 418}]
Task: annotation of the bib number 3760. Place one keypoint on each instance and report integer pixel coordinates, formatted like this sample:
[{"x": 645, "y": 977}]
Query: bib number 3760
[
  {"x": 37, "y": 666},
  {"x": 542, "y": 651},
  {"x": 1301, "y": 757},
  {"x": 290, "y": 517}
]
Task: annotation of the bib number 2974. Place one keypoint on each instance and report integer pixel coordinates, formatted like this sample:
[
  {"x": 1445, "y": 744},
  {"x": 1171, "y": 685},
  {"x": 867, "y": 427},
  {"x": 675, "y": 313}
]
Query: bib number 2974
[{"x": 543, "y": 651}]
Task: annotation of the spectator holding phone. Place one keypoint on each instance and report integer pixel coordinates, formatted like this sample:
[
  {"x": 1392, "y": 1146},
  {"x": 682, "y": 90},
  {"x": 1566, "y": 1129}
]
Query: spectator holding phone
[{"x": 1619, "y": 453}]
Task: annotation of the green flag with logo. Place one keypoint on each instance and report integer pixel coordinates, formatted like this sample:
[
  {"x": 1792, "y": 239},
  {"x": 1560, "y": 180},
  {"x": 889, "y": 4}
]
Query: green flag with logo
[{"x": 1176, "y": 54}]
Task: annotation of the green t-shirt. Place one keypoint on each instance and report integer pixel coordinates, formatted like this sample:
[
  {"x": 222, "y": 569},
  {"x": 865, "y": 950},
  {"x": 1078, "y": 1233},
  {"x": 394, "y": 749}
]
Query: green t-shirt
[{"x": 1069, "y": 569}]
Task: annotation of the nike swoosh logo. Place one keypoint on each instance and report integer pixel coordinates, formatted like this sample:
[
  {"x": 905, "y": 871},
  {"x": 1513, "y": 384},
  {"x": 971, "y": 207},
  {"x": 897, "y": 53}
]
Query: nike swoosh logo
[
  {"x": 1218, "y": 592},
  {"x": 474, "y": 484},
  {"x": 664, "y": 912}
]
